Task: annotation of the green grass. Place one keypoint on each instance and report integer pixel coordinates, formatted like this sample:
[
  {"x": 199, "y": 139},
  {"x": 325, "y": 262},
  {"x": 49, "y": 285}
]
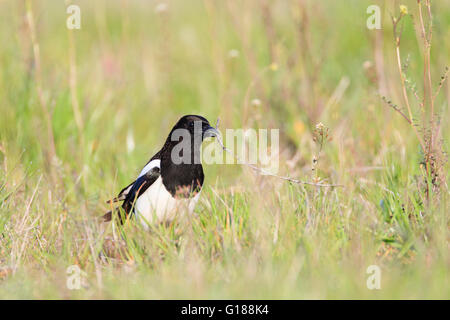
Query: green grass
[{"x": 252, "y": 236}]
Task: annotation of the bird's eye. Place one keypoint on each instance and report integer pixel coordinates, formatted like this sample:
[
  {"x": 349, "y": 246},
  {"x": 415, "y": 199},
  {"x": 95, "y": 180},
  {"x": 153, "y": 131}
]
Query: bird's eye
[{"x": 191, "y": 124}]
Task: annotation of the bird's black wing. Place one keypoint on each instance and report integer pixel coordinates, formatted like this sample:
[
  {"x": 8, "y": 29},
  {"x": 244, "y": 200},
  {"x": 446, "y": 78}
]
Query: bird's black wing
[
  {"x": 134, "y": 191},
  {"x": 122, "y": 194},
  {"x": 139, "y": 187}
]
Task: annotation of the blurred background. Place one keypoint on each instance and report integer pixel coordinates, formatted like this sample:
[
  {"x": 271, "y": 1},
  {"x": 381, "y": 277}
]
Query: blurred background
[{"x": 137, "y": 66}]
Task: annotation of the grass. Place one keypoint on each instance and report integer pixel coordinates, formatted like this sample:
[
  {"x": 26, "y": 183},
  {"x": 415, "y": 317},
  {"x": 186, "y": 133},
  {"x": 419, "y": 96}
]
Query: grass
[{"x": 132, "y": 72}]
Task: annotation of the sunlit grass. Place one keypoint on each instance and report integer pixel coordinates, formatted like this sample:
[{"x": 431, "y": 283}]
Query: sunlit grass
[{"x": 252, "y": 236}]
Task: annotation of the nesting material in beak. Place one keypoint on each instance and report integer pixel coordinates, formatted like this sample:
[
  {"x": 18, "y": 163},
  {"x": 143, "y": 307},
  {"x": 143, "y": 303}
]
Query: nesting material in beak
[{"x": 211, "y": 132}]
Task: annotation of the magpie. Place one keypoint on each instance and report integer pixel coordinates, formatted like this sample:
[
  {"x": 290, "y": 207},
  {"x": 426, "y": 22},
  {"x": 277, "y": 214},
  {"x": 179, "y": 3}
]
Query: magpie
[{"x": 171, "y": 180}]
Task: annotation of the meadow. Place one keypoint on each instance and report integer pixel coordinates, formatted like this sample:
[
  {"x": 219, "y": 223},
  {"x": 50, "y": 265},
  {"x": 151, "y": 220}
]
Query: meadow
[{"x": 82, "y": 110}]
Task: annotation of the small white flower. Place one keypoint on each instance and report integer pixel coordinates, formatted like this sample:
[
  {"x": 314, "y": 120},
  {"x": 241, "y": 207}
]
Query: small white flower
[
  {"x": 256, "y": 102},
  {"x": 319, "y": 126},
  {"x": 367, "y": 64},
  {"x": 161, "y": 7}
]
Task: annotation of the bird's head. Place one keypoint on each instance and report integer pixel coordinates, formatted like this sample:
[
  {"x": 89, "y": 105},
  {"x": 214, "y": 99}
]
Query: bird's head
[
  {"x": 184, "y": 141},
  {"x": 197, "y": 126}
]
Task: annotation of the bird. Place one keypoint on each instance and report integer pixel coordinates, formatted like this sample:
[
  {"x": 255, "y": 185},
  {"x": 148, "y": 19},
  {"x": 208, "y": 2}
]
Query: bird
[{"x": 172, "y": 179}]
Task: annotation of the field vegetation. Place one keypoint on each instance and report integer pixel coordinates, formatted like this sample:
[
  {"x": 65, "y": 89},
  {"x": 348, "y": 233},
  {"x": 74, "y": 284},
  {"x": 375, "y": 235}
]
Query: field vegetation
[{"x": 82, "y": 110}]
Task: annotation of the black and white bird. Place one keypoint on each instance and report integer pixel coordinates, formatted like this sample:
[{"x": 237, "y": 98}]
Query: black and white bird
[{"x": 170, "y": 183}]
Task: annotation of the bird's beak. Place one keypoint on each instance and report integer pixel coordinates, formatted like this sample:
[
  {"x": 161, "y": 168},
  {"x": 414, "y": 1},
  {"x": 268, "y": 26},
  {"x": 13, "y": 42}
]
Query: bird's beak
[{"x": 210, "y": 132}]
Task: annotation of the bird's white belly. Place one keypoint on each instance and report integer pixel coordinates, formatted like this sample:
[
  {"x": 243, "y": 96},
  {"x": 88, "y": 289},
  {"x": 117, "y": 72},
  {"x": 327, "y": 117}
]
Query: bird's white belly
[{"x": 156, "y": 204}]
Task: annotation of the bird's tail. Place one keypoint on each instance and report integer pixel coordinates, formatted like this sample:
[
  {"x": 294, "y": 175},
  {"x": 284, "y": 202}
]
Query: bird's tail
[{"x": 119, "y": 211}]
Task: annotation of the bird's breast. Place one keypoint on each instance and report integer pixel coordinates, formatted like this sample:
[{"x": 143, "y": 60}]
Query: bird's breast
[
  {"x": 182, "y": 180},
  {"x": 157, "y": 204}
]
